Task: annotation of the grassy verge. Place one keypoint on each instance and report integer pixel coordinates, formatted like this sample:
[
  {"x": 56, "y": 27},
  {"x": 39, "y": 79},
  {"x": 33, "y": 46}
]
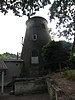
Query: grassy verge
[{"x": 70, "y": 74}]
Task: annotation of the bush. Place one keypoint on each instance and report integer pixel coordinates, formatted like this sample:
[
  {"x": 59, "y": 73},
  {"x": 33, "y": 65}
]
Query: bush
[{"x": 69, "y": 73}]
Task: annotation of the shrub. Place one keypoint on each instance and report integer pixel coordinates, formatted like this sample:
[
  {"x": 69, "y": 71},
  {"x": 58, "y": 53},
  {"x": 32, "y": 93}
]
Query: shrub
[{"x": 69, "y": 73}]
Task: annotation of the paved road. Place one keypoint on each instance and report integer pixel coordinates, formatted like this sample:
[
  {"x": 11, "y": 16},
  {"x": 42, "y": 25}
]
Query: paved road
[{"x": 43, "y": 96}]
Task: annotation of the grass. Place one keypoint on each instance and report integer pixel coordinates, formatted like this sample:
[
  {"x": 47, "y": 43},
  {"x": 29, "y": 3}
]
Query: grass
[{"x": 70, "y": 74}]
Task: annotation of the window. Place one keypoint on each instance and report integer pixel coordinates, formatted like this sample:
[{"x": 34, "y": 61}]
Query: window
[
  {"x": 34, "y": 53},
  {"x": 34, "y": 57},
  {"x": 34, "y": 37}
]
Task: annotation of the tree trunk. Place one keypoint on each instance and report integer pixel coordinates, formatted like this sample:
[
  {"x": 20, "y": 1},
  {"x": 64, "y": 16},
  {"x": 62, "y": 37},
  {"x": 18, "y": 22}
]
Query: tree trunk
[{"x": 60, "y": 67}]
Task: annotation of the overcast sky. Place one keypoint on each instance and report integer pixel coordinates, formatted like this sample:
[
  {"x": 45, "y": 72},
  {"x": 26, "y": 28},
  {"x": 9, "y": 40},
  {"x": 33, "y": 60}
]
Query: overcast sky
[{"x": 12, "y": 29}]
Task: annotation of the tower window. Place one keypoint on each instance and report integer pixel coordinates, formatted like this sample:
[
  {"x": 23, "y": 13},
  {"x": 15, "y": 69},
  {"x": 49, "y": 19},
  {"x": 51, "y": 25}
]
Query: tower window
[
  {"x": 34, "y": 53},
  {"x": 34, "y": 57},
  {"x": 34, "y": 37}
]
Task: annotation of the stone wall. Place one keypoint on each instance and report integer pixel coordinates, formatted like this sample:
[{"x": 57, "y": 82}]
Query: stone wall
[{"x": 29, "y": 85}]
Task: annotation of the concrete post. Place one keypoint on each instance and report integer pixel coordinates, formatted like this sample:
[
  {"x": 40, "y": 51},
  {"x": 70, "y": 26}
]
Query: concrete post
[{"x": 2, "y": 91}]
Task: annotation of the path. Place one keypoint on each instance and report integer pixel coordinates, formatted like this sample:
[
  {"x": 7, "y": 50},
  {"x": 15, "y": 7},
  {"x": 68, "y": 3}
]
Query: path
[{"x": 43, "y": 96}]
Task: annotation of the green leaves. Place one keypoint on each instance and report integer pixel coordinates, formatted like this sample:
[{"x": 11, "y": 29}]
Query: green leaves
[
  {"x": 55, "y": 53},
  {"x": 22, "y": 7},
  {"x": 64, "y": 10},
  {"x": 7, "y": 55}
]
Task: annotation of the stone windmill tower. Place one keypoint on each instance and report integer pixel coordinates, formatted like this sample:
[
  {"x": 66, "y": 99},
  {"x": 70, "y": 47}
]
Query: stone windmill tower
[{"x": 36, "y": 36}]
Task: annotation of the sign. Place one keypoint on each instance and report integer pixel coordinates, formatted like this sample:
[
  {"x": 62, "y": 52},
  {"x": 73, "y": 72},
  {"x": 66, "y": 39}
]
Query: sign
[{"x": 34, "y": 60}]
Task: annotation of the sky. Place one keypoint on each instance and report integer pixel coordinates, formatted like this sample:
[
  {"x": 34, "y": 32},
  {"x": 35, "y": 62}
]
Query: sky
[{"x": 12, "y": 29}]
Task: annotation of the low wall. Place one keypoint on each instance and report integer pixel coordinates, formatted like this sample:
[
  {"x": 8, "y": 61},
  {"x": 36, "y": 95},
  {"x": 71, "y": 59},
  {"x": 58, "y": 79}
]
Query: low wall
[{"x": 29, "y": 85}]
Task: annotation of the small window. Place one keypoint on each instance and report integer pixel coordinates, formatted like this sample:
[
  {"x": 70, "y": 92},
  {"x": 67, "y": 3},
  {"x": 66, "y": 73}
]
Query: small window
[
  {"x": 34, "y": 53},
  {"x": 34, "y": 57},
  {"x": 34, "y": 37}
]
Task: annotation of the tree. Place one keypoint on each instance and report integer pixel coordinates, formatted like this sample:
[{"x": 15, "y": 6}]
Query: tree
[
  {"x": 7, "y": 56},
  {"x": 64, "y": 11},
  {"x": 22, "y": 7},
  {"x": 56, "y": 53}
]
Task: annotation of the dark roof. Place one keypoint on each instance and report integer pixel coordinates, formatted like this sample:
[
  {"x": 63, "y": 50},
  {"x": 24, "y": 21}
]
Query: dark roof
[
  {"x": 13, "y": 60},
  {"x": 36, "y": 17},
  {"x": 2, "y": 65}
]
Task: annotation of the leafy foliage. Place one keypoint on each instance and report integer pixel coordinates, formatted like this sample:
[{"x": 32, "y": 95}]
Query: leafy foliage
[
  {"x": 55, "y": 53},
  {"x": 22, "y": 7},
  {"x": 70, "y": 74},
  {"x": 7, "y": 55},
  {"x": 64, "y": 11},
  {"x": 71, "y": 63}
]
